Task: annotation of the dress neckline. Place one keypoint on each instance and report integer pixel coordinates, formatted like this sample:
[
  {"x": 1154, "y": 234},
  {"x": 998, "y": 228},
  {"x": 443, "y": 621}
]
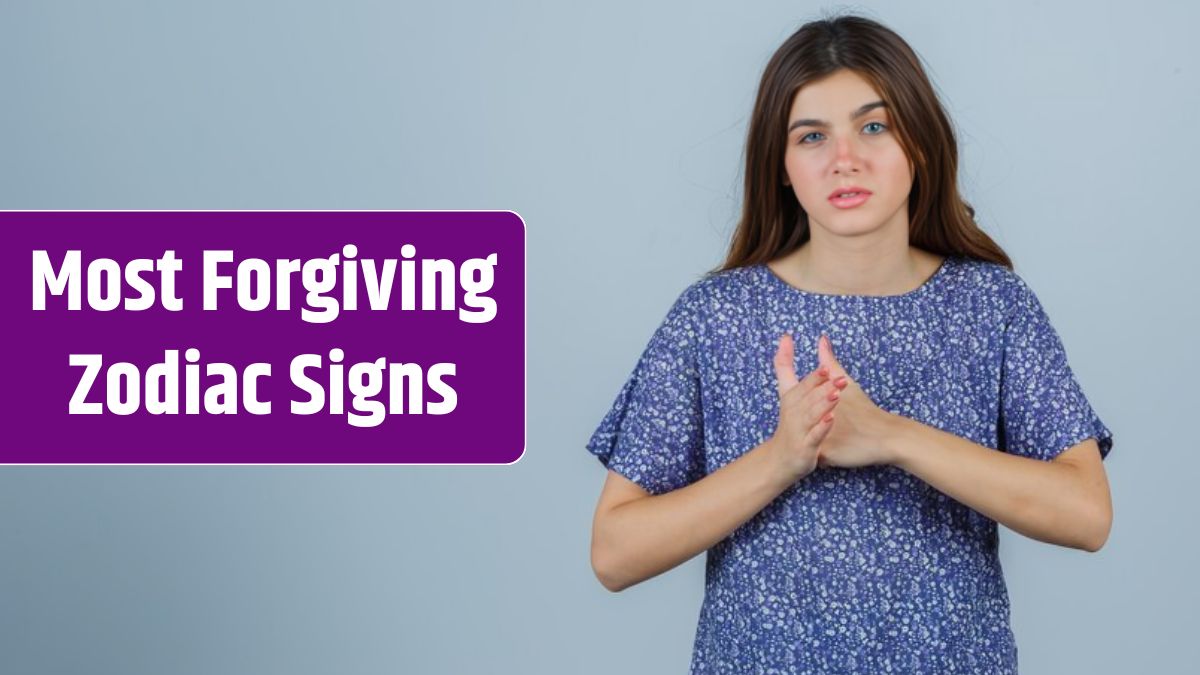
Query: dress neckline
[{"x": 925, "y": 287}]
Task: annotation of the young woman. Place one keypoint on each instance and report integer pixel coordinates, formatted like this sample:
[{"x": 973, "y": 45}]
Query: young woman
[{"x": 842, "y": 413}]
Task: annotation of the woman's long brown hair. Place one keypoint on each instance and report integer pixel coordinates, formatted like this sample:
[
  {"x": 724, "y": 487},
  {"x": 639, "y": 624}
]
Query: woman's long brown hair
[{"x": 773, "y": 224}]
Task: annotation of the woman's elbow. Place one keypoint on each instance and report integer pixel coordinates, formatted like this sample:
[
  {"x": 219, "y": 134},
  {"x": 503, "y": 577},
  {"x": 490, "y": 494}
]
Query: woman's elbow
[
  {"x": 603, "y": 569},
  {"x": 1101, "y": 530}
]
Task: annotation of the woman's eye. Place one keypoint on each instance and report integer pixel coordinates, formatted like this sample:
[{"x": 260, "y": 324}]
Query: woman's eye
[{"x": 881, "y": 125}]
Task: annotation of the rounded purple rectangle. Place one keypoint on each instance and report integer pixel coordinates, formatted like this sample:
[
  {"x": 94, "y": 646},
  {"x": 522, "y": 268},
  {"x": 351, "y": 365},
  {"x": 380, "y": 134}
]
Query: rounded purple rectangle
[{"x": 470, "y": 409}]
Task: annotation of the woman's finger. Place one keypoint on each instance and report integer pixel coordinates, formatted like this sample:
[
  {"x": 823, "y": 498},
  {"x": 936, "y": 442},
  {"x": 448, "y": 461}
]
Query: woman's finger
[
  {"x": 785, "y": 365},
  {"x": 820, "y": 430},
  {"x": 814, "y": 414},
  {"x": 819, "y": 400}
]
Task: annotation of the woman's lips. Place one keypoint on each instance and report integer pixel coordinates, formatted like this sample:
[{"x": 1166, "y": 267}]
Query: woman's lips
[{"x": 850, "y": 202}]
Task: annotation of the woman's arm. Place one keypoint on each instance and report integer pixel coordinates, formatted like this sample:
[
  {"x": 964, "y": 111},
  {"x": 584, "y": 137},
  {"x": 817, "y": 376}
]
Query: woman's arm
[
  {"x": 1055, "y": 502},
  {"x": 634, "y": 539},
  {"x": 636, "y": 536}
]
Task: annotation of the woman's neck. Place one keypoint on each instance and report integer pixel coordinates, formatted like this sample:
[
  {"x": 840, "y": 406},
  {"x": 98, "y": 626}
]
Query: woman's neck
[{"x": 841, "y": 270}]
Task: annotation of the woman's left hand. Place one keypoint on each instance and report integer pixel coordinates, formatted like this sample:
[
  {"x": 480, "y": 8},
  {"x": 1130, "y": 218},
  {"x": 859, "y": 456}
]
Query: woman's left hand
[{"x": 860, "y": 428}]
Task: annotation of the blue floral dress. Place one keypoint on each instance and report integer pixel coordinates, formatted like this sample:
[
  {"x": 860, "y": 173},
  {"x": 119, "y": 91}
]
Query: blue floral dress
[{"x": 866, "y": 570}]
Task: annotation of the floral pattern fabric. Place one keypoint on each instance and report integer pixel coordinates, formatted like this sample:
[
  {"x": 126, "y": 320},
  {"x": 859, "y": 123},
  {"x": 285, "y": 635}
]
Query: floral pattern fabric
[{"x": 866, "y": 570}]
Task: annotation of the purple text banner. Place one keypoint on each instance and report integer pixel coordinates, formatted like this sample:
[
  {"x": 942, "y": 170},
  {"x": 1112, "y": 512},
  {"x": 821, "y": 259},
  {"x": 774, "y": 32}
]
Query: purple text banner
[{"x": 264, "y": 337}]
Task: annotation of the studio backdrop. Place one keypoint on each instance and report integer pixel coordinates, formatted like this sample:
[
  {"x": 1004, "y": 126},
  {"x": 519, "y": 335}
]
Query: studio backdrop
[{"x": 615, "y": 132}]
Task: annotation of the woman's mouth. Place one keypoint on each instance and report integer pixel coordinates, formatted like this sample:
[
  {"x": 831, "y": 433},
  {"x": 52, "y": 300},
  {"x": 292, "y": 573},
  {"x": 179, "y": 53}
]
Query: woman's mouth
[{"x": 850, "y": 199}]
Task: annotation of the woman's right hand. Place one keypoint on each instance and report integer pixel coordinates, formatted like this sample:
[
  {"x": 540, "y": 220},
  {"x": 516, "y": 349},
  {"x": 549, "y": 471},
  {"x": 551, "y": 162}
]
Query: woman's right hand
[{"x": 805, "y": 411}]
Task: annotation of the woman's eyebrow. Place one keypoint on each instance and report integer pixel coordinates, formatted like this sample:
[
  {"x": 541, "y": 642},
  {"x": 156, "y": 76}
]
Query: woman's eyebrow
[{"x": 863, "y": 110}]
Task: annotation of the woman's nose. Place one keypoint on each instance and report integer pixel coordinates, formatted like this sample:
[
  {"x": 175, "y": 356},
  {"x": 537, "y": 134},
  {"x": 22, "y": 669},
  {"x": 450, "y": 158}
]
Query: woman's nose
[{"x": 846, "y": 157}]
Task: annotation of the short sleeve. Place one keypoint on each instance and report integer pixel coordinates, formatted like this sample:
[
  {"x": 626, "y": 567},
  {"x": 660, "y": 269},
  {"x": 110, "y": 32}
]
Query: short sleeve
[
  {"x": 1043, "y": 410},
  {"x": 653, "y": 434}
]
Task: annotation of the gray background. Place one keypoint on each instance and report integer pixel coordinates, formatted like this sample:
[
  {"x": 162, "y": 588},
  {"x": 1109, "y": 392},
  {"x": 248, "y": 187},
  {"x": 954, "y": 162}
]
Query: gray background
[{"x": 616, "y": 131}]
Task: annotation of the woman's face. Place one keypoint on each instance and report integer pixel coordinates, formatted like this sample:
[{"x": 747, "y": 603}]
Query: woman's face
[{"x": 837, "y": 138}]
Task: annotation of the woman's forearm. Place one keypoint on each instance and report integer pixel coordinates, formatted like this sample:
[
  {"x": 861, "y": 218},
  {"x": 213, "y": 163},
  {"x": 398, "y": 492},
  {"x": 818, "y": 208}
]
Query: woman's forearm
[
  {"x": 1046, "y": 501},
  {"x": 643, "y": 538}
]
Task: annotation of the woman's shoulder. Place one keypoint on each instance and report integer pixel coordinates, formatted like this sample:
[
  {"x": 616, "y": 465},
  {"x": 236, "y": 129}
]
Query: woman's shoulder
[
  {"x": 717, "y": 297},
  {"x": 724, "y": 286},
  {"x": 985, "y": 276},
  {"x": 987, "y": 285}
]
